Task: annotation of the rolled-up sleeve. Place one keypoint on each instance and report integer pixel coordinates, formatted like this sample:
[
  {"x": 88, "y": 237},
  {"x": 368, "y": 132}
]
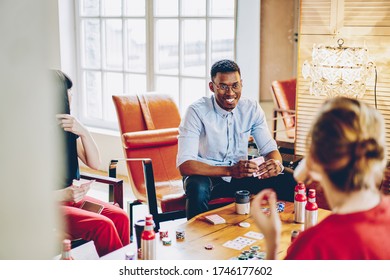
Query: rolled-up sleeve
[{"x": 189, "y": 133}]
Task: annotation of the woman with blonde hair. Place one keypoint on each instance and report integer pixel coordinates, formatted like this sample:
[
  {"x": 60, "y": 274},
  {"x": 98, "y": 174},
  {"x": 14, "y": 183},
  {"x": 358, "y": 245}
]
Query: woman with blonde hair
[{"x": 347, "y": 154}]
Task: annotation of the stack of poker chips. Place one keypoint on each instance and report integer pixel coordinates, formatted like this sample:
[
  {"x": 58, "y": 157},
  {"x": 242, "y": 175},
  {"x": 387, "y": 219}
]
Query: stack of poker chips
[
  {"x": 166, "y": 241},
  {"x": 163, "y": 233},
  {"x": 253, "y": 254},
  {"x": 180, "y": 234}
]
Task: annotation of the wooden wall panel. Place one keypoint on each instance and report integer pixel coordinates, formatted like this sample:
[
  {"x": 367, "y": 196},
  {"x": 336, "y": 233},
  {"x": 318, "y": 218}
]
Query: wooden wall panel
[
  {"x": 316, "y": 17},
  {"x": 359, "y": 23}
]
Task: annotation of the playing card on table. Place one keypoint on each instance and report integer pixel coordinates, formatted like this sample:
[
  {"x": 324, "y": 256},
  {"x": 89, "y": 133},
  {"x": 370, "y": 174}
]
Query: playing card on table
[
  {"x": 255, "y": 235},
  {"x": 244, "y": 240},
  {"x": 234, "y": 245}
]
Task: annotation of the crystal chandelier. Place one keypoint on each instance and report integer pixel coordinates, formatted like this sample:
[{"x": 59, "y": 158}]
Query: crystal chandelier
[{"x": 338, "y": 70}]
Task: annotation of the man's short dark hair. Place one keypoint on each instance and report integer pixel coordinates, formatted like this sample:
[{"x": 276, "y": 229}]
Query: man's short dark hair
[{"x": 224, "y": 66}]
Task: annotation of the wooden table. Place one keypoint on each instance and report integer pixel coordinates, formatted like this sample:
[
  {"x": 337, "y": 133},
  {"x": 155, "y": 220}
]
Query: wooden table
[{"x": 199, "y": 232}]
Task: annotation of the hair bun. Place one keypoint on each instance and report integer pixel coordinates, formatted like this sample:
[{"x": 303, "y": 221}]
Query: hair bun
[{"x": 369, "y": 149}]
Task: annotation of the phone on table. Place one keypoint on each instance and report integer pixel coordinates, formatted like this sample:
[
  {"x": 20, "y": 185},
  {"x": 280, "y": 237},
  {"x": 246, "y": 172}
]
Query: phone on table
[{"x": 92, "y": 206}]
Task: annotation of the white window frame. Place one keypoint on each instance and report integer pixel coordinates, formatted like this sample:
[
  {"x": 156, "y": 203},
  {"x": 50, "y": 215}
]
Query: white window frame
[{"x": 150, "y": 71}]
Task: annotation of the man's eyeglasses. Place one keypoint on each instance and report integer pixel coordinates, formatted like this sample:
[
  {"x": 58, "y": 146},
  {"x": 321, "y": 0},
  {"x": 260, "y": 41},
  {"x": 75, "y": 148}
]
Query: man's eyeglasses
[{"x": 224, "y": 88}]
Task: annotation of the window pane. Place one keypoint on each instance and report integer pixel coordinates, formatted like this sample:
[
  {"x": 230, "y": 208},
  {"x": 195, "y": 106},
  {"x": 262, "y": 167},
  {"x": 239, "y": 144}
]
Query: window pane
[
  {"x": 167, "y": 40},
  {"x": 135, "y": 8},
  {"x": 112, "y": 7},
  {"x": 168, "y": 85},
  {"x": 192, "y": 90},
  {"x": 222, "y": 40},
  {"x": 166, "y": 7},
  {"x": 136, "y": 45},
  {"x": 193, "y": 8},
  {"x": 93, "y": 94},
  {"x": 136, "y": 83},
  {"x": 194, "y": 41},
  {"x": 113, "y": 86},
  {"x": 91, "y": 43},
  {"x": 89, "y": 7},
  {"x": 222, "y": 8},
  {"x": 114, "y": 58}
]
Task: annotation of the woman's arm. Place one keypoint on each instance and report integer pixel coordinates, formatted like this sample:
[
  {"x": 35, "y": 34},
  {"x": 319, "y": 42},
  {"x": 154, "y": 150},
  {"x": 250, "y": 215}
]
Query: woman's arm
[{"x": 87, "y": 149}]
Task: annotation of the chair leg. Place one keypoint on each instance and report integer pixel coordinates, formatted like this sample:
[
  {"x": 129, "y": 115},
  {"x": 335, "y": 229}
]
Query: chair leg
[
  {"x": 275, "y": 123},
  {"x": 130, "y": 212}
]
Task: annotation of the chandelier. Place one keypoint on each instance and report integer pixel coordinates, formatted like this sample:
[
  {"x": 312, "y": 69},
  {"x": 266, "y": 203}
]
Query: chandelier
[{"x": 338, "y": 70}]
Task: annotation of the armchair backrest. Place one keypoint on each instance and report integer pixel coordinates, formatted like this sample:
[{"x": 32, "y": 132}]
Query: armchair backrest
[
  {"x": 149, "y": 129},
  {"x": 284, "y": 93}
]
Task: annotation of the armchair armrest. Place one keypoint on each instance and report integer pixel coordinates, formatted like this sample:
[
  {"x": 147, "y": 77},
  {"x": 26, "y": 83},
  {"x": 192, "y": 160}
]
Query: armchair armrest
[
  {"x": 150, "y": 138},
  {"x": 149, "y": 179},
  {"x": 115, "y": 186},
  {"x": 150, "y": 190},
  {"x": 284, "y": 110}
]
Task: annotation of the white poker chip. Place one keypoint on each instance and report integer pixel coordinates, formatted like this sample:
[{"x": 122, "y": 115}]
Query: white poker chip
[{"x": 244, "y": 224}]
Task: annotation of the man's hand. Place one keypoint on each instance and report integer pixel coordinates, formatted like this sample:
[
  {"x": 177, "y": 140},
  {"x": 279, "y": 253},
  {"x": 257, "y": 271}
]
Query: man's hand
[
  {"x": 244, "y": 168},
  {"x": 269, "y": 168}
]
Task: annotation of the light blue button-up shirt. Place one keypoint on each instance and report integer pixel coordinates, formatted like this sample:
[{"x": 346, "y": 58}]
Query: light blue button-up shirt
[{"x": 212, "y": 135}]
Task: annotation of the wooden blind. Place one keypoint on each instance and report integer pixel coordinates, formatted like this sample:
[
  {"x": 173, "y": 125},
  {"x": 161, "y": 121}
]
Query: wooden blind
[
  {"x": 360, "y": 23},
  {"x": 366, "y": 13},
  {"x": 316, "y": 17}
]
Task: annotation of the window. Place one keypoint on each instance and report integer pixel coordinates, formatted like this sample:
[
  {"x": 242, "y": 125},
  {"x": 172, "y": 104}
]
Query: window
[{"x": 135, "y": 46}]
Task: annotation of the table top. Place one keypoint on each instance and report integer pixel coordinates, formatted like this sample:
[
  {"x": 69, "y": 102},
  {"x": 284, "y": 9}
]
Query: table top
[{"x": 199, "y": 232}]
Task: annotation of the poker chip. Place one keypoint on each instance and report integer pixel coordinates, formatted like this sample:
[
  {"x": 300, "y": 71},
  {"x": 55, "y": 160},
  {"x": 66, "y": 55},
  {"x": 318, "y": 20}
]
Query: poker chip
[
  {"x": 255, "y": 248},
  {"x": 246, "y": 252},
  {"x": 243, "y": 257},
  {"x": 130, "y": 256},
  {"x": 265, "y": 210},
  {"x": 166, "y": 241},
  {"x": 261, "y": 255},
  {"x": 244, "y": 224},
  {"x": 209, "y": 246},
  {"x": 280, "y": 206}
]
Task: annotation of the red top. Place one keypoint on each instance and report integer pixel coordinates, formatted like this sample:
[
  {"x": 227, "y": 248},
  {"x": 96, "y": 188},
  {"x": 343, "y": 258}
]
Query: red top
[{"x": 356, "y": 236}]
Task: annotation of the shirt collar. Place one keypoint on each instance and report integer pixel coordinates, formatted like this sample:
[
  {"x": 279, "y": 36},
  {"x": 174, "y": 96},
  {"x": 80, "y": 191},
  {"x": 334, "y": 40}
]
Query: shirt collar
[{"x": 222, "y": 112}]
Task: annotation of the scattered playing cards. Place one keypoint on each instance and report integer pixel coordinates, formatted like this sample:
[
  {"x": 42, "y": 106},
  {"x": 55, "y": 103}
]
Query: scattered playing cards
[{"x": 239, "y": 243}]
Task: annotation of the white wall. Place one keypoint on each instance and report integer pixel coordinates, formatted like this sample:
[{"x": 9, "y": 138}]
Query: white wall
[
  {"x": 27, "y": 149},
  {"x": 248, "y": 46}
]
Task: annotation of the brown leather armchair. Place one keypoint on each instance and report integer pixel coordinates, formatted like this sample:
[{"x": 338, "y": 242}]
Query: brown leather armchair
[
  {"x": 149, "y": 129},
  {"x": 284, "y": 93}
]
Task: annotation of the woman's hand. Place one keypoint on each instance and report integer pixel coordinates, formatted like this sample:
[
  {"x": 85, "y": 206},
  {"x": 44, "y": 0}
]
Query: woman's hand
[
  {"x": 74, "y": 193},
  {"x": 269, "y": 224},
  {"x": 71, "y": 124}
]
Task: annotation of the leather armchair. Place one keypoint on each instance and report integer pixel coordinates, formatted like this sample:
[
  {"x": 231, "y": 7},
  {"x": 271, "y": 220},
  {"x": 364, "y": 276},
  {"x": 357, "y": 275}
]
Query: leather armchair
[
  {"x": 284, "y": 94},
  {"x": 149, "y": 129}
]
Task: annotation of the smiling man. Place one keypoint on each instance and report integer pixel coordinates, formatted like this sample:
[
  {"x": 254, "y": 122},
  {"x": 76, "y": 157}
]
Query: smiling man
[{"x": 213, "y": 145}]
